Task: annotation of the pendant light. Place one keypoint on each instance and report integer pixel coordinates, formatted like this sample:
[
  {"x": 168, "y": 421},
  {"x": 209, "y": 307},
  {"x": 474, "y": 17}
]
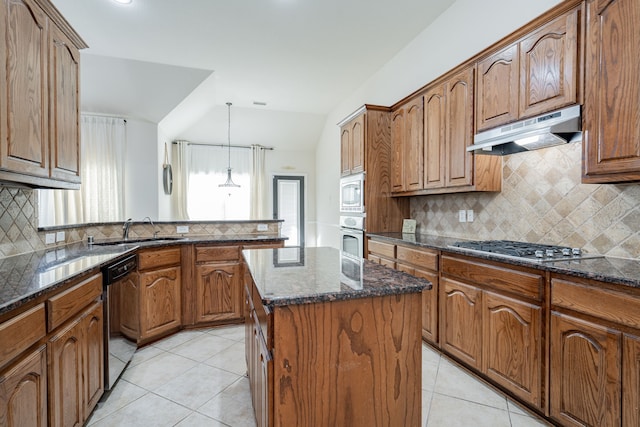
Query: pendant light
[{"x": 229, "y": 182}]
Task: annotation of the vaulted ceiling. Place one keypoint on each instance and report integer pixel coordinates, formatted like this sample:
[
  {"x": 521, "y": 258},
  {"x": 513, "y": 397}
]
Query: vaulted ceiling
[{"x": 178, "y": 62}]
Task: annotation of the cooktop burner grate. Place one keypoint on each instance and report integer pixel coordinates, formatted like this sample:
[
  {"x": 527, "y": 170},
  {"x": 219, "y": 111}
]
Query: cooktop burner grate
[{"x": 523, "y": 250}]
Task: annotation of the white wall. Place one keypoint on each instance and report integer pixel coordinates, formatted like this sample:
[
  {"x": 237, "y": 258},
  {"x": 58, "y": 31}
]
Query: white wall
[
  {"x": 141, "y": 170},
  {"x": 164, "y": 200},
  {"x": 287, "y": 162},
  {"x": 466, "y": 28}
]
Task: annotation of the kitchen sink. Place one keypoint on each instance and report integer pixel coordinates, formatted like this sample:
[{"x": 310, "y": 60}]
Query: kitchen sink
[{"x": 134, "y": 241}]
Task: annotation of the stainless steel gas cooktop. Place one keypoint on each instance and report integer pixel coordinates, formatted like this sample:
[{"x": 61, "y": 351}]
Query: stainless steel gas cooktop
[{"x": 521, "y": 250}]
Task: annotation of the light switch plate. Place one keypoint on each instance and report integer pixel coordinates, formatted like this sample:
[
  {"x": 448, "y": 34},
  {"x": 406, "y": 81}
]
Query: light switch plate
[
  {"x": 49, "y": 238},
  {"x": 469, "y": 215},
  {"x": 181, "y": 229},
  {"x": 462, "y": 215},
  {"x": 263, "y": 227},
  {"x": 60, "y": 236}
]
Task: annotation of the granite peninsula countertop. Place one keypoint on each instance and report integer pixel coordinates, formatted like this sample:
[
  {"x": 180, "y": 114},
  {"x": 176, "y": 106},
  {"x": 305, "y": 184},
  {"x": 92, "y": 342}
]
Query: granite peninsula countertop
[
  {"x": 619, "y": 271},
  {"x": 290, "y": 276},
  {"x": 26, "y": 277}
]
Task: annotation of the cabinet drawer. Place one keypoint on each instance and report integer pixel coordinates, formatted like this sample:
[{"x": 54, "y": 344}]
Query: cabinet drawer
[
  {"x": 603, "y": 303},
  {"x": 158, "y": 258},
  {"x": 217, "y": 253},
  {"x": 383, "y": 249},
  {"x": 499, "y": 277},
  {"x": 424, "y": 259},
  {"x": 69, "y": 303},
  {"x": 19, "y": 333}
]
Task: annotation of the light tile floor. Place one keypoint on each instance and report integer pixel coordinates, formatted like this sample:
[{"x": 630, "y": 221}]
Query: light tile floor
[{"x": 197, "y": 378}]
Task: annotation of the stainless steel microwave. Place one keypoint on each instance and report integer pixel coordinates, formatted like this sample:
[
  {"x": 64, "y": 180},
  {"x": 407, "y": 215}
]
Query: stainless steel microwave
[{"x": 352, "y": 193}]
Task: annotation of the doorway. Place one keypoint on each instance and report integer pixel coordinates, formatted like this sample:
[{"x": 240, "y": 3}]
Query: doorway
[{"x": 288, "y": 205}]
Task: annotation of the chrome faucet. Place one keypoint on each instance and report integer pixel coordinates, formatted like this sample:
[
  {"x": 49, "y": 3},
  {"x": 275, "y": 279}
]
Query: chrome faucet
[
  {"x": 125, "y": 229},
  {"x": 155, "y": 232}
]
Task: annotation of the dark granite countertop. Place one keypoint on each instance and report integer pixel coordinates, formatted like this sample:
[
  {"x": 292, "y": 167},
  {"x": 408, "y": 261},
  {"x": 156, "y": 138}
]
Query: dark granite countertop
[
  {"x": 28, "y": 276},
  {"x": 619, "y": 271},
  {"x": 290, "y": 276}
]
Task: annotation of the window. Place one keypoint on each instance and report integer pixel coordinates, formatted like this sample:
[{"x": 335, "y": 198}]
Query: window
[
  {"x": 207, "y": 169},
  {"x": 100, "y": 198}
]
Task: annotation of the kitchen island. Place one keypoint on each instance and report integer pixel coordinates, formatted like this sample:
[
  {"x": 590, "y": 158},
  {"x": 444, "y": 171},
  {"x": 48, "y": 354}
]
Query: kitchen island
[{"x": 320, "y": 352}]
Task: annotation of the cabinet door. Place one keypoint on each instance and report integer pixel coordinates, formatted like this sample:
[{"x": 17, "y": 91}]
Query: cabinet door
[
  {"x": 434, "y": 137},
  {"x": 356, "y": 146},
  {"x": 549, "y": 66},
  {"x": 611, "y": 140},
  {"x": 345, "y": 151},
  {"x": 218, "y": 292},
  {"x": 429, "y": 306},
  {"x": 585, "y": 372},
  {"x": 23, "y": 392},
  {"x": 397, "y": 150},
  {"x": 498, "y": 85},
  {"x": 461, "y": 321},
  {"x": 414, "y": 145},
  {"x": 65, "y": 352},
  {"x": 129, "y": 303},
  {"x": 631, "y": 381},
  {"x": 65, "y": 105},
  {"x": 24, "y": 144},
  {"x": 160, "y": 302},
  {"x": 513, "y": 346},
  {"x": 459, "y": 162},
  {"x": 93, "y": 366}
]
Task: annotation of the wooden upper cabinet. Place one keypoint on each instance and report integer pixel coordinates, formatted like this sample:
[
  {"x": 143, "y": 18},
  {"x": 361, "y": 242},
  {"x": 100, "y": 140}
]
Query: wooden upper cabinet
[
  {"x": 65, "y": 105},
  {"x": 413, "y": 145},
  {"x": 459, "y": 162},
  {"x": 39, "y": 99},
  {"x": 537, "y": 74},
  {"x": 397, "y": 150},
  {"x": 434, "y": 136},
  {"x": 611, "y": 136},
  {"x": 498, "y": 85},
  {"x": 407, "y": 139},
  {"x": 352, "y": 136},
  {"x": 549, "y": 66},
  {"x": 24, "y": 147}
]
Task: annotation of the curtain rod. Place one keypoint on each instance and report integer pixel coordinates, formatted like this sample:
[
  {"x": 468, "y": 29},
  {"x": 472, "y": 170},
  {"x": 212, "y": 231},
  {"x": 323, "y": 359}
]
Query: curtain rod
[{"x": 221, "y": 145}]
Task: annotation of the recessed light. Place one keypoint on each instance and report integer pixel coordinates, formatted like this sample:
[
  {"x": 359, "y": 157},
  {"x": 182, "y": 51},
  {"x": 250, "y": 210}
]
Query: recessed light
[{"x": 123, "y": 1}]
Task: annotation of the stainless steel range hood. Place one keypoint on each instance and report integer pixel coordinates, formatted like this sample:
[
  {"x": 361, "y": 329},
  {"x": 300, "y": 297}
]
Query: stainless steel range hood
[{"x": 559, "y": 127}]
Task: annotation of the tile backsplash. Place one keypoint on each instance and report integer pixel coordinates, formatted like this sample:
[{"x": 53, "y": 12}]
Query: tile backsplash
[
  {"x": 542, "y": 201},
  {"x": 19, "y": 226}
]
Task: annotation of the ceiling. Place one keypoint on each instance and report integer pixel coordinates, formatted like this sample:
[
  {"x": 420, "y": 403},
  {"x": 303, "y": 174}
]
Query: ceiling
[{"x": 178, "y": 62}]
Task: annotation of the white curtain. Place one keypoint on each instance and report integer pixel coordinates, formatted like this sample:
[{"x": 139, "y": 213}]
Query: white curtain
[
  {"x": 206, "y": 169},
  {"x": 100, "y": 198},
  {"x": 259, "y": 191},
  {"x": 180, "y": 166}
]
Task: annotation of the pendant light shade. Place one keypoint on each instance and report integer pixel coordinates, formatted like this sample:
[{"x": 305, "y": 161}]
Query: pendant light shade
[{"x": 229, "y": 182}]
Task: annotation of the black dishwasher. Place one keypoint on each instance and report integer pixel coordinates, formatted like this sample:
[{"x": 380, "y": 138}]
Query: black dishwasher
[{"x": 118, "y": 350}]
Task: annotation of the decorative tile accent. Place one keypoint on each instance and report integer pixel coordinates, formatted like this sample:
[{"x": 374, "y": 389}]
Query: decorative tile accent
[{"x": 542, "y": 201}]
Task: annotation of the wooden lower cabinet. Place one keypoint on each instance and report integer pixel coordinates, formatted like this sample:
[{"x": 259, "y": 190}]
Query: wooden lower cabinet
[
  {"x": 461, "y": 321},
  {"x": 23, "y": 391},
  {"x": 585, "y": 372},
  {"x": 160, "y": 302},
  {"x": 631, "y": 380},
  {"x": 75, "y": 359},
  {"x": 218, "y": 288},
  {"x": 512, "y": 345}
]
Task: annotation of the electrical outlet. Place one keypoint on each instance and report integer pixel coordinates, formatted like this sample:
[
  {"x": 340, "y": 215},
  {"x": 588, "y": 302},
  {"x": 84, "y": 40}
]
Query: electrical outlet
[
  {"x": 263, "y": 227},
  {"x": 469, "y": 215},
  {"x": 462, "y": 215},
  {"x": 49, "y": 238},
  {"x": 181, "y": 229},
  {"x": 60, "y": 236}
]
